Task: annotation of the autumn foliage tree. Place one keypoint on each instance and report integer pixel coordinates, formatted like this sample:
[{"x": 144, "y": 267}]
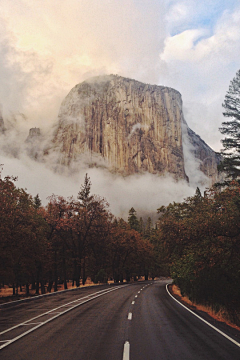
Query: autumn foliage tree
[
  {"x": 69, "y": 239},
  {"x": 22, "y": 235}
]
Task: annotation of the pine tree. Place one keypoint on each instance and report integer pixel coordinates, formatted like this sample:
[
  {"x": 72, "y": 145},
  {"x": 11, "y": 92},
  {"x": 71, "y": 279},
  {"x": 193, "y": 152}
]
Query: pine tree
[
  {"x": 231, "y": 129},
  {"x": 198, "y": 196},
  {"x": 148, "y": 228},
  {"x": 37, "y": 201},
  {"x": 84, "y": 193},
  {"x": 133, "y": 220},
  {"x": 141, "y": 226}
]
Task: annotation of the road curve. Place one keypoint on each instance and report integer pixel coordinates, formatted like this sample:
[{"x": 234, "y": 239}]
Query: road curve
[{"x": 139, "y": 321}]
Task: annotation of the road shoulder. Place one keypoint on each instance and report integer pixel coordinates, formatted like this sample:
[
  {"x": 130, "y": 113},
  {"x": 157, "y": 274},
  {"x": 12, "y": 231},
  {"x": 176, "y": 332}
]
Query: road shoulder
[{"x": 229, "y": 329}]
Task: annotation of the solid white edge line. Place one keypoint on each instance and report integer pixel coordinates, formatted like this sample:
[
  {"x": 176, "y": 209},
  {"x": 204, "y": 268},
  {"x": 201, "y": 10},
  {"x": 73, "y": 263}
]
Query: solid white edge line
[
  {"x": 52, "y": 318},
  {"x": 206, "y": 322},
  {"x": 126, "y": 351}
]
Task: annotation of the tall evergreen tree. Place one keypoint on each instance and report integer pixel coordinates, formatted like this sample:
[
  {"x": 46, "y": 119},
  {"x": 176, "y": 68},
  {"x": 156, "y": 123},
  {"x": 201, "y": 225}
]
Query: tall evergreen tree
[
  {"x": 84, "y": 194},
  {"x": 133, "y": 220},
  {"x": 141, "y": 226},
  {"x": 231, "y": 129},
  {"x": 148, "y": 227},
  {"x": 37, "y": 201}
]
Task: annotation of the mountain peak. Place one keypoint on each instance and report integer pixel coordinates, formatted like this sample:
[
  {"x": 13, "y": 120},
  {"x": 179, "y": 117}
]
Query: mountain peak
[{"x": 128, "y": 126}]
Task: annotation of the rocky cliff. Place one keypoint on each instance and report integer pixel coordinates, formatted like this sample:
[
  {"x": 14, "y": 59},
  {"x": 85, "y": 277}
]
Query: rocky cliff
[
  {"x": 134, "y": 127},
  {"x": 209, "y": 160},
  {"x": 34, "y": 143},
  {"x": 33, "y": 134},
  {"x": 2, "y": 127}
]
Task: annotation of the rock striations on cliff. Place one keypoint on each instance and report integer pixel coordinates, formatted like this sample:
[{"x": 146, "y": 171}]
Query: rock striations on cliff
[
  {"x": 208, "y": 159},
  {"x": 134, "y": 127},
  {"x": 2, "y": 127}
]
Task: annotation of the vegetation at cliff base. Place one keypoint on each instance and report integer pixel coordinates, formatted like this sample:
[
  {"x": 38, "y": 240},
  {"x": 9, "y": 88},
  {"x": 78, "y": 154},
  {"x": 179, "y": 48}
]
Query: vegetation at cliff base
[
  {"x": 68, "y": 239},
  {"x": 196, "y": 242},
  {"x": 201, "y": 241}
]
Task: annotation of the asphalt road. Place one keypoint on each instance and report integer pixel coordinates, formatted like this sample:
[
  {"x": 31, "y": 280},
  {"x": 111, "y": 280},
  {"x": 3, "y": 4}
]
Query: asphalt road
[{"x": 139, "y": 321}]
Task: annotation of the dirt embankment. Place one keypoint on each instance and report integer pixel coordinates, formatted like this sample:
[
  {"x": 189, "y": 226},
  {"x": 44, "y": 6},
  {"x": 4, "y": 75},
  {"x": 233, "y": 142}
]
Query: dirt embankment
[{"x": 220, "y": 316}]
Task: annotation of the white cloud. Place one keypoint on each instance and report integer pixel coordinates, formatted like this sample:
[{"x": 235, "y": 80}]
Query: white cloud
[
  {"x": 200, "y": 65},
  {"x": 51, "y": 46},
  {"x": 182, "y": 46},
  {"x": 194, "y": 44}
]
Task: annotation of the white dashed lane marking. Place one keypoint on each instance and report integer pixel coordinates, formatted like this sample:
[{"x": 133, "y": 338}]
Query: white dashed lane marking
[{"x": 126, "y": 351}]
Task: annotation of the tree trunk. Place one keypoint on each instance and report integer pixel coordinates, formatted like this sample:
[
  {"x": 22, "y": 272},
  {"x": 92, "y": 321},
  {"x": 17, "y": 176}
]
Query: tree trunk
[
  {"x": 74, "y": 272},
  {"x": 84, "y": 273},
  {"x": 55, "y": 285},
  {"x": 146, "y": 274},
  {"x": 37, "y": 281},
  {"x": 64, "y": 271},
  {"x": 55, "y": 272},
  {"x": 50, "y": 284},
  {"x": 78, "y": 275},
  {"x": 37, "y": 288},
  {"x": 116, "y": 278},
  {"x": 42, "y": 287}
]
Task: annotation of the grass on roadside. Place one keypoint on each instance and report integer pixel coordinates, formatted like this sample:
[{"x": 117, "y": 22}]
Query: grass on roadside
[{"x": 220, "y": 315}]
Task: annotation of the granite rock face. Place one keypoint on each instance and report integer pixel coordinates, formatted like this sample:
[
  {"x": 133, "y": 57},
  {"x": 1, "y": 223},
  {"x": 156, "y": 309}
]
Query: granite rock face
[
  {"x": 209, "y": 159},
  {"x": 34, "y": 143},
  {"x": 134, "y": 127},
  {"x": 34, "y": 133},
  {"x": 2, "y": 127}
]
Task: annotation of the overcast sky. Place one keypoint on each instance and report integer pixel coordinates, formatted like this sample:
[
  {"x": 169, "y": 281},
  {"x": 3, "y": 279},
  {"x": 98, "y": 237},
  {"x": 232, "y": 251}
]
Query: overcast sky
[{"x": 47, "y": 47}]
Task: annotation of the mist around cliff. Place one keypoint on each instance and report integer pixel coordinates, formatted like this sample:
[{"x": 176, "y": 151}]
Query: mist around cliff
[
  {"x": 40, "y": 174},
  {"x": 192, "y": 165},
  {"x": 145, "y": 192}
]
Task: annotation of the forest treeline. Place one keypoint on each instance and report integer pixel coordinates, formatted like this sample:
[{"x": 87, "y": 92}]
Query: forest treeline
[
  {"x": 200, "y": 242},
  {"x": 196, "y": 242},
  {"x": 67, "y": 240}
]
